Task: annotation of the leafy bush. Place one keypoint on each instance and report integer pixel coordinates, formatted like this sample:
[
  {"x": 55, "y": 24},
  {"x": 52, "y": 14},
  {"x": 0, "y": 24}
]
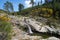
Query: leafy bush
[
  {"x": 46, "y": 12},
  {"x": 4, "y": 17}
]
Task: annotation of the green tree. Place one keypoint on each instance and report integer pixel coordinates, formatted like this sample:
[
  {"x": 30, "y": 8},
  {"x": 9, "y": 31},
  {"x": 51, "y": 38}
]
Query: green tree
[
  {"x": 46, "y": 1},
  {"x": 54, "y": 8},
  {"x": 41, "y": 1},
  {"x": 21, "y": 7},
  {"x": 41, "y": 6},
  {"x": 38, "y": 3},
  {"x": 8, "y": 7},
  {"x": 32, "y": 2}
]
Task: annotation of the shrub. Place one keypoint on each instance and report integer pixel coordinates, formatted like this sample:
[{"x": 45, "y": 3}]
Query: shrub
[
  {"x": 4, "y": 17},
  {"x": 5, "y": 29},
  {"x": 46, "y": 12}
]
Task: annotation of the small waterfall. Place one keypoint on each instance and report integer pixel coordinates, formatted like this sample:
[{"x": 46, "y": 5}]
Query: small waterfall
[{"x": 29, "y": 29}]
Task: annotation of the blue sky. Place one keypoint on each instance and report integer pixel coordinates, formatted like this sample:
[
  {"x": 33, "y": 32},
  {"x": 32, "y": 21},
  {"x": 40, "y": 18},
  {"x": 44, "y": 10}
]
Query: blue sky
[{"x": 16, "y": 2}]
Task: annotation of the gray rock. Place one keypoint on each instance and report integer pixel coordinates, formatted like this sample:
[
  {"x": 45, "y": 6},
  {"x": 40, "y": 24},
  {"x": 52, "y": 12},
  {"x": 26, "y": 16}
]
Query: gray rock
[{"x": 38, "y": 26}]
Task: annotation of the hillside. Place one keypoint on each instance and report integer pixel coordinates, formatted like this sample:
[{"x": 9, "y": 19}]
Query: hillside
[
  {"x": 2, "y": 11},
  {"x": 45, "y": 10},
  {"x": 41, "y": 22},
  {"x": 26, "y": 28}
]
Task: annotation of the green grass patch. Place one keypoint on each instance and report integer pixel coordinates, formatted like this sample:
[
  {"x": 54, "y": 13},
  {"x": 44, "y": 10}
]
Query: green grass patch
[{"x": 6, "y": 29}]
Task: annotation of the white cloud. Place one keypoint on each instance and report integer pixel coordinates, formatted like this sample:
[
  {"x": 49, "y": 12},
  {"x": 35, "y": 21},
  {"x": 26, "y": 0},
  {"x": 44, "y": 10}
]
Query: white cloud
[
  {"x": 27, "y": 3},
  {"x": 43, "y": 1}
]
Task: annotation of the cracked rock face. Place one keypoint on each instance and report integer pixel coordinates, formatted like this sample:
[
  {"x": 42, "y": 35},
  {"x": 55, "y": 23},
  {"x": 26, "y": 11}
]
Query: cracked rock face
[
  {"x": 38, "y": 26},
  {"x": 51, "y": 38},
  {"x": 31, "y": 23}
]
